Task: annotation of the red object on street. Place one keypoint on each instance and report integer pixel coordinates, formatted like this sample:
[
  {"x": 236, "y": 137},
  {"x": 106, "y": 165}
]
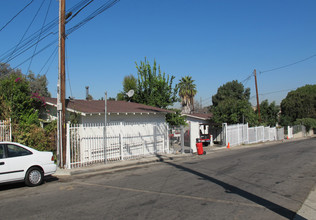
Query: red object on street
[{"x": 199, "y": 147}]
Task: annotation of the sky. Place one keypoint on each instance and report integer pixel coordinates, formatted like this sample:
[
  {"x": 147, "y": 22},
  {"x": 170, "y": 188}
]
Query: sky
[{"x": 214, "y": 41}]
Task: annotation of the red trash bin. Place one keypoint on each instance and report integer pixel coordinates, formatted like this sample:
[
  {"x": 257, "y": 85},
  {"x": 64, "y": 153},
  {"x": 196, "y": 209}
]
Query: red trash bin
[{"x": 199, "y": 147}]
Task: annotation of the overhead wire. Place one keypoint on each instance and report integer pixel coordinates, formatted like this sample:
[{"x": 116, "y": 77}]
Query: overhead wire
[
  {"x": 47, "y": 46},
  {"x": 39, "y": 36},
  {"x": 74, "y": 15},
  {"x": 26, "y": 46},
  {"x": 52, "y": 54},
  {"x": 268, "y": 93},
  {"x": 27, "y": 29},
  {"x": 291, "y": 64},
  {"x": 101, "y": 9},
  {"x": 34, "y": 36},
  {"x": 16, "y": 15},
  {"x": 67, "y": 72}
]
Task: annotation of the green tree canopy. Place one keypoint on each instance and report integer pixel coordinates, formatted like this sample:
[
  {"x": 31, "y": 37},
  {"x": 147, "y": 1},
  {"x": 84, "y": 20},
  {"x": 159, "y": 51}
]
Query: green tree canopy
[
  {"x": 269, "y": 113},
  {"x": 309, "y": 123},
  {"x": 299, "y": 104},
  {"x": 187, "y": 91},
  {"x": 231, "y": 104},
  {"x": 38, "y": 84},
  {"x": 175, "y": 119},
  {"x": 129, "y": 83},
  {"x": 154, "y": 88},
  {"x": 22, "y": 105}
]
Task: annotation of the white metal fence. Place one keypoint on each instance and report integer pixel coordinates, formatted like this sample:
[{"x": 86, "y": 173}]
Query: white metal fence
[
  {"x": 5, "y": 130},
  {"x": 242, "y": 134},
  {"x": 86, "y": 145}
]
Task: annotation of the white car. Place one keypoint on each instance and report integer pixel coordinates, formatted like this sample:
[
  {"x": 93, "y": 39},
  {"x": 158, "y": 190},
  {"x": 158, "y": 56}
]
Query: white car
[{"x": 22, "y": 163}]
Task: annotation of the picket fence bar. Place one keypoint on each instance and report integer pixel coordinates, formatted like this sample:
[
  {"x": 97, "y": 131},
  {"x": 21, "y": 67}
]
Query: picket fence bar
[
  {"x": 242, "y": 134},
  {"x": 88, "y": 144},
  {"x": 5, "y": 130}
]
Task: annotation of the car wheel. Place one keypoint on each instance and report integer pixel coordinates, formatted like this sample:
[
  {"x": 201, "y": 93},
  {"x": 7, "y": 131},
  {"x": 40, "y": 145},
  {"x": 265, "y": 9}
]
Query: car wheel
[{"x": 34, "y": 177}]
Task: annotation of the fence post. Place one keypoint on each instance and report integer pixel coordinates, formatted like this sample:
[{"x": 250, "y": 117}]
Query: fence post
[
  {"x": 105, "y": 143},
  {"x": 155, "y": 138},
  {"x": 256, "y": 128},
  {"x": 10, "y": 131},
  {"x": 225, "y": 134},
  {"x": 238, "y": 134},
  {"x": 68, "y": 162},
  {"x": 167, "y": 138},
  {"x": 121, "y": 146},
  {"x": 144, "y": 144},
  {"x": 182, "y": 139},
  {"x": 247, "y": 126}
]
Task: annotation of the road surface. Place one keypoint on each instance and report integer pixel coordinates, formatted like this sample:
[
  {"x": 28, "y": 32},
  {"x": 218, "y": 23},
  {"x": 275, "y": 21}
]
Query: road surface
[{"x": 262, "y": 182}]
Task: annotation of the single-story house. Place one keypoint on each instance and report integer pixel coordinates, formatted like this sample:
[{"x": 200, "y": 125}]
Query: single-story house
[
  {"x": 92, "y": 111},
  {"x": 201, "y": 118}
]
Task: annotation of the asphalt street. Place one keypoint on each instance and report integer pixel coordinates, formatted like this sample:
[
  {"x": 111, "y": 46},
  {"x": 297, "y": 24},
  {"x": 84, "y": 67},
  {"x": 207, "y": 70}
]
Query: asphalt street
[{"x": 265, "y": 182}]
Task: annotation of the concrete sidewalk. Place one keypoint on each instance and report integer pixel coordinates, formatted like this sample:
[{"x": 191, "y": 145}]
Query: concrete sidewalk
[
  {"x": 118, "y": 165},
  {"x": 308, "y": 209}
]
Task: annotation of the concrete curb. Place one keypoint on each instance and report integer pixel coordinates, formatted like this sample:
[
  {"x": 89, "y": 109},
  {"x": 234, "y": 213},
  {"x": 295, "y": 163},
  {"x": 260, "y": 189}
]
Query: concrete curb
[{"x": 119, "y": 165}]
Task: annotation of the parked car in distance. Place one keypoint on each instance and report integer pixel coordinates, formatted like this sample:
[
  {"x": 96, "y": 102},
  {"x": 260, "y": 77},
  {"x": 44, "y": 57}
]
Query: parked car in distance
[{"x": 21, "y": 163}]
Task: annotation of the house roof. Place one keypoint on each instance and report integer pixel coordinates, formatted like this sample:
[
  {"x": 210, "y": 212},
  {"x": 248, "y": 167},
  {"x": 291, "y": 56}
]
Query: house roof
[
  {"x": 98, "y": 106},
  {"x": 203, "y": 116}
]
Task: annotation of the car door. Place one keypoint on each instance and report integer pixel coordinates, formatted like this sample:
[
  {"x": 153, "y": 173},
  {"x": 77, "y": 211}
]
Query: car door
[
  {"x": 17, "y": 160},
  {"x": 4, "y": 167}
]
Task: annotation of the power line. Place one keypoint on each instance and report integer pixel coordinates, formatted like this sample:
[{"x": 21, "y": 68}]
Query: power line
[
  {"x": 16, "y": 15},
  {"x": 101, "y": 9},
  {"x": 245, "y": 81},
  {"x": 54, "y": 53},
  {"x": 291, "y": 64},
  {"x": 34, "y": 37},
  {"x": 47, "y": 46},
  {"x": 39, "y": 36},
  {"x": 268, "y": 93},
  {"x": 79, "y": 11},
  {"x": 68, "y": 73},
  {"x": 28, "y": 42},
  {"x": 27, "y": 29}
]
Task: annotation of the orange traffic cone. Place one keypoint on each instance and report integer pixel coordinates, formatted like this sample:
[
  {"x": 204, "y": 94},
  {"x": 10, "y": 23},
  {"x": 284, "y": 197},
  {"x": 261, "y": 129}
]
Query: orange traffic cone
[{"x": 228, "y": 146}]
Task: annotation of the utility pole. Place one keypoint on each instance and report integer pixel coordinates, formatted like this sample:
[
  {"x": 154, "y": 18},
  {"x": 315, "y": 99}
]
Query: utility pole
[
  {"x": 258, "y": 105},
  {"x": 61, "y": 90}
]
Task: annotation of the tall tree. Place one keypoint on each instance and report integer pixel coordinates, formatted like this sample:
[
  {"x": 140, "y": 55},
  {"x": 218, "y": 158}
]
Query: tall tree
[
  {"x": 38, "y": 84},
  {"x": 298, "y": 104},
  {"x": 187, "y": 91},
  {"x": 231, "y": 104},
  {"x": 269, "y": 113},
  {"x": 129, "y": 83},
  {"x": 154, "y": 87}
]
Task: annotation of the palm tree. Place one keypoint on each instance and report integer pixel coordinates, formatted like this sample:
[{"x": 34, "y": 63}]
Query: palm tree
[{"x": 187, "y": 91}]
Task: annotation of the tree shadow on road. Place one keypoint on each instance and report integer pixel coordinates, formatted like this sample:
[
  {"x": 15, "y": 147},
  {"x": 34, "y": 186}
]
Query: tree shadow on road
[{"x": 287, "y": 213}]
